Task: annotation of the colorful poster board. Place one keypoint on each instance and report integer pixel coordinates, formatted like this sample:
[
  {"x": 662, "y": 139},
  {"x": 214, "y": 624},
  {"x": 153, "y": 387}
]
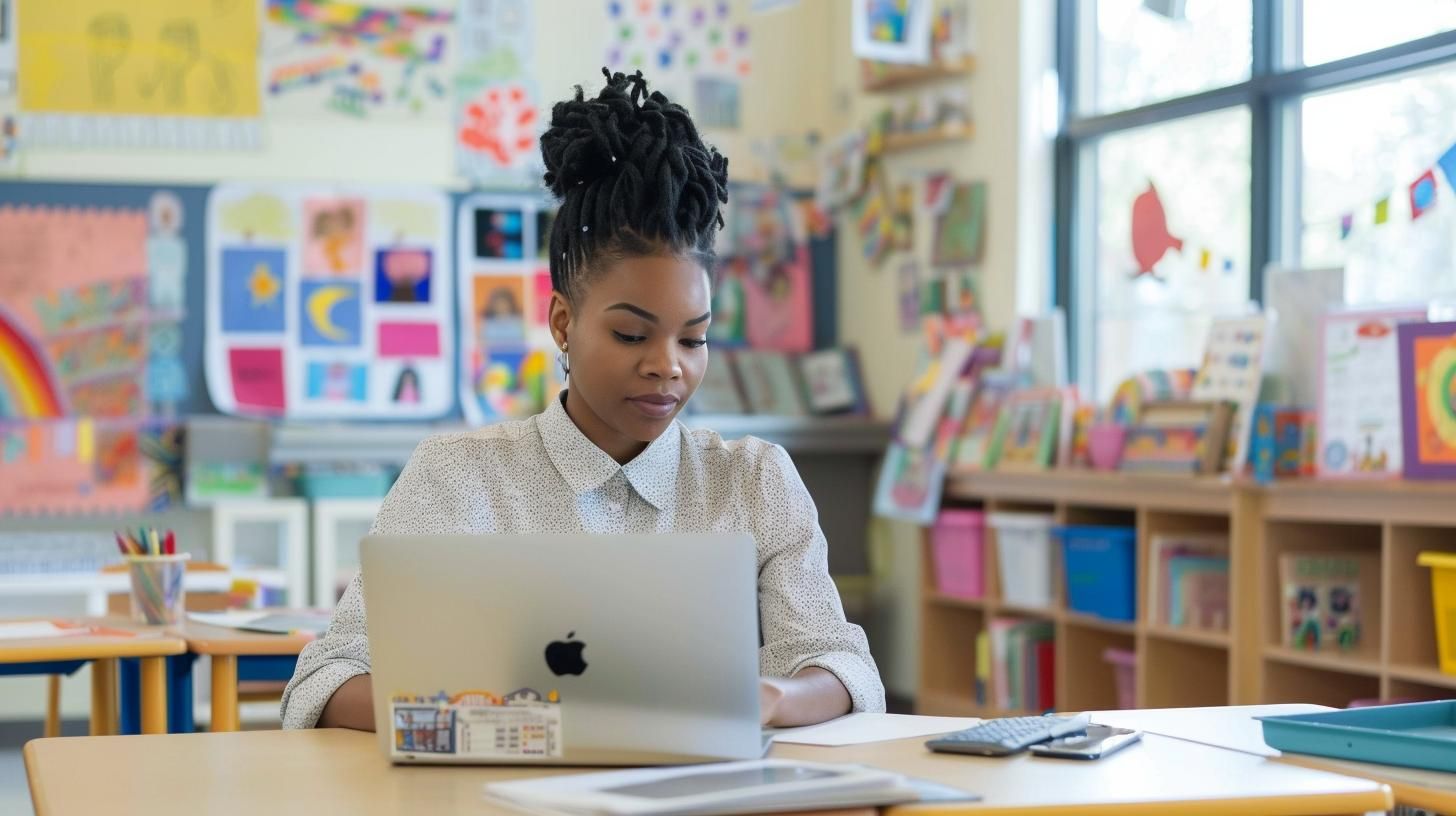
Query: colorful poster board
[
  {"x": 160, "y": 73},
  {"x": 357, "y": 60},
  {"x": 1428, "y": 399},
  {"x": 1359, "y": 397},
  {"x": 508, "y": 366},
  {"x": 91, "y": 302},
  {"x": 329, "y": 302}
]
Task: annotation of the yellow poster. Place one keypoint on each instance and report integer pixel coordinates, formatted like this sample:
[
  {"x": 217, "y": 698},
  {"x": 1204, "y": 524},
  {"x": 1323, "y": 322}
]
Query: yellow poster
[{"x": 139, "y": 57}]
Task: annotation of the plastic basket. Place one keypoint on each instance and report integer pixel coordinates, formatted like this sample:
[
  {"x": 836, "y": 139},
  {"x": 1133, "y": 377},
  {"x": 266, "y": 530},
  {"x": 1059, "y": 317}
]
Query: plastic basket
[
  {"x": 1443, "y": 598},
  {"x": 1101, "y": 576},
  {"x": 957, "y": 543},
  {"x": 1024, "y": 554}
]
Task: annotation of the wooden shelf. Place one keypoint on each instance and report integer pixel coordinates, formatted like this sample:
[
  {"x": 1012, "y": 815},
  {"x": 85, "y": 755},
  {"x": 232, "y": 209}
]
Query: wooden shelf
[
  {"x": 1103, "y": 624},
  {"x": 1246, "y": 664},
  {"x": 954, "y": 601},
  {"x": 899, "y": 76},
  {"x": 1047, "y": 613},
  {"x": 1197, "y": 637},
  {"x": 1085, "y": 487},
  {"x": 1428, "y": 675},
  {"x": 901, "y": 142},
  {"x": 947, "y": 704},
  {"x": 1346, "y": 663}
]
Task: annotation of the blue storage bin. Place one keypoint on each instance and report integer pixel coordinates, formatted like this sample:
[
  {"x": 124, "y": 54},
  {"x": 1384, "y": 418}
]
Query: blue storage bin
[{"x": 1101, "y": 570}]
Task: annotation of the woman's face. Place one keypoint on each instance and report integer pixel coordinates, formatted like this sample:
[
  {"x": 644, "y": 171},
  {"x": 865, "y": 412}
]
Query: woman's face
[{"x": 637, "y": 344}]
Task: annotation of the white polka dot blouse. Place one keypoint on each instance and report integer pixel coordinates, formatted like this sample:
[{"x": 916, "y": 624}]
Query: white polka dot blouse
[{"x": 542, "y": 475}]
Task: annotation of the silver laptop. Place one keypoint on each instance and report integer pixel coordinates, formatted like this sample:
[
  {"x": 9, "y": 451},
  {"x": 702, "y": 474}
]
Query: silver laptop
[{"x": 564, "y": 649}]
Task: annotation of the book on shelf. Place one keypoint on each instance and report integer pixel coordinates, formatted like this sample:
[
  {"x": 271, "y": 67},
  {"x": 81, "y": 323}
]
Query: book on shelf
[
  {"x": 1022, "y": 661},
  {"x": 1190, "y": 580},
  {"x": 1324, "y": 598},
  {"x": 983, "y": 668}
]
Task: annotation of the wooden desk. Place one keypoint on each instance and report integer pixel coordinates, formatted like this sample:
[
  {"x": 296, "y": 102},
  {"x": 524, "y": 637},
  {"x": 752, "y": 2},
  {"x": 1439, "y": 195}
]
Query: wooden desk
[
  {"x": 149, "y": 644},
  {"x": 224, "y": 645},
  {"x": 336, "y": 771},
  {"x": 1235, "y": 728}
]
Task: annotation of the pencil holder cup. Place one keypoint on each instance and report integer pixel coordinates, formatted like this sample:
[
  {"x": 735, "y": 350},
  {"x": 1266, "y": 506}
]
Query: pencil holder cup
[{"x": 157, "y": 595}]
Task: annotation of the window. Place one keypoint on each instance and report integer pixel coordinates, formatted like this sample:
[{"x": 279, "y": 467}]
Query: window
[{"x": 1269, "y": 130}]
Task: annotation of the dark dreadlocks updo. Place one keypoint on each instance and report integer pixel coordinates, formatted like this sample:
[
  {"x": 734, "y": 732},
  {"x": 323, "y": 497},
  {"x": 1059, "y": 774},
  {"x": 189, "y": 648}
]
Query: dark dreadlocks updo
[{"x": 633, "y": 178}]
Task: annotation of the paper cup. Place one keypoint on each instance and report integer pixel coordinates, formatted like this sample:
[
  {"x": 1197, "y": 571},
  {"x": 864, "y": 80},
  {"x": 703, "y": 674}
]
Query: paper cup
[{"x": 157, "y": 595}]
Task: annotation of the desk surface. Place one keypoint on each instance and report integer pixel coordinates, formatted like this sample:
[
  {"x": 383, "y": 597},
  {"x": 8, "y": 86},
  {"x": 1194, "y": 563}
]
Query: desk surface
[
  {"x": 1235, "y": 728},
  {"x": 143, "y": 641},
  {"x": 206, "y": 639},
  {"x": 310, "y": 772}
]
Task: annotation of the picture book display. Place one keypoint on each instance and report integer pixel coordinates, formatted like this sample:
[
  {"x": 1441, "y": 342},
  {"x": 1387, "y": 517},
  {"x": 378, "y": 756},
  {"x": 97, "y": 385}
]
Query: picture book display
[
  {"x": 1187, "y": 438},
  {"x": 1359, "y": 393},
  {"x": 329, "y": 302},
  {"x": 1027, "y": 432},
  {"x": 1328, "y": 599},
  {"x": 1233, "y": 366},
  {"x": 1190, "y": 583},
  {"x": 832, "y": 382},
  {"x": 1428, "y": 407}
]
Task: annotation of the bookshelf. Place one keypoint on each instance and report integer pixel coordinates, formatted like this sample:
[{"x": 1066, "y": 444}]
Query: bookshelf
[{"x": 1180, "y": 667}]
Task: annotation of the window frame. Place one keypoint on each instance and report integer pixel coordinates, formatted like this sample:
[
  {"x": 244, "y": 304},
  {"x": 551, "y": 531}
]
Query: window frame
[{"x": 1272, "y": 93}]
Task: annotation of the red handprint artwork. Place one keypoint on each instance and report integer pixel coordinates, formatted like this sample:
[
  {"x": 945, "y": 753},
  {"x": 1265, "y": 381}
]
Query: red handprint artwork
[{"x": 500, "y": 124}]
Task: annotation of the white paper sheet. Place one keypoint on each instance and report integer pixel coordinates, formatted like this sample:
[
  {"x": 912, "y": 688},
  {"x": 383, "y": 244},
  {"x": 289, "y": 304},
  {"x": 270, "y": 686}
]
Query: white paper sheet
[
  {"x": 31, "y": 630},
  {"x": 860, "y": 728}
]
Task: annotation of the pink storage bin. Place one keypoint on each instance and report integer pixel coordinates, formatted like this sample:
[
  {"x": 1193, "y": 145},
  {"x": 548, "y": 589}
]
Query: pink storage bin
[
  {"x": 958, "y": 542},
  {"x": 1124, "y": 668}
]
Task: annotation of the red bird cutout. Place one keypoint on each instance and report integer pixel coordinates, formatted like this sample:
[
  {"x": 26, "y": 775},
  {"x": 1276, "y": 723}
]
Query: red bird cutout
[{"x": 1150, "y": 238}]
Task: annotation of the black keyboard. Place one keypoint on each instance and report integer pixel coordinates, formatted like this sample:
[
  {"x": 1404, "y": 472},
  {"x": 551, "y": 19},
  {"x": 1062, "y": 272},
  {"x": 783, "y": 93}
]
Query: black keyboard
[{"x": 1007, "y": 735}]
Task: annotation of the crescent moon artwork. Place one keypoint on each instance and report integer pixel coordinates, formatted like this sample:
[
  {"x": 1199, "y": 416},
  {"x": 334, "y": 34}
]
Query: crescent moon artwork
[{"x": 330, "y": 314}]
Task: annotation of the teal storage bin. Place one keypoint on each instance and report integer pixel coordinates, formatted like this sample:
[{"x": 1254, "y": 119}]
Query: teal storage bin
[
  {"x": 1101, "y": 570},
  {"x": 346, "y": 485},
  {"x": 1415, "y": 735}
]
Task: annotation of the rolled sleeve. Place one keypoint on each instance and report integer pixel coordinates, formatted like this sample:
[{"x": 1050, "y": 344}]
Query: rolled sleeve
[
  {"x": 412, "y": 505},
  {"x": 325, "y": 664},
  {"x": 800, "y": 613}
]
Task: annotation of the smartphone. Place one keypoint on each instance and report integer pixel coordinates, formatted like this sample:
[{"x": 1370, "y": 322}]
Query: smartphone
[{"x": 1097, "y": 742}]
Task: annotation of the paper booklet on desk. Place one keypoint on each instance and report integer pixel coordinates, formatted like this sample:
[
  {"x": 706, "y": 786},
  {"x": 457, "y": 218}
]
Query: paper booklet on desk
[
  {"x": 755, "y": 786},
  {"x": 273, "y": 623},
  {"x": 855, "y": 729},
  {"x": 40, "y": 630}
]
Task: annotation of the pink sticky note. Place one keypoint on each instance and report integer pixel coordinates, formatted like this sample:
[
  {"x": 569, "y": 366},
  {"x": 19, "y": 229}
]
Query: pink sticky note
[
  {"x": 258, "y": 379},
  {"x": 543, "y": 297},
  {"x": 409, "y": 340}
]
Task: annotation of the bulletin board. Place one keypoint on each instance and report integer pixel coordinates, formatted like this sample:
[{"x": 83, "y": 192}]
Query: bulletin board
[
  {"x": 94, "y": 371},
  {"x": 329, "y": 302}
]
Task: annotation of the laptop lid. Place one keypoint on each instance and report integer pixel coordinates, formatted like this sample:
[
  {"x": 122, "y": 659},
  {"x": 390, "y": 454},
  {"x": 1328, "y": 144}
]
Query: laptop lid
[{"x": 564, "y": 649}]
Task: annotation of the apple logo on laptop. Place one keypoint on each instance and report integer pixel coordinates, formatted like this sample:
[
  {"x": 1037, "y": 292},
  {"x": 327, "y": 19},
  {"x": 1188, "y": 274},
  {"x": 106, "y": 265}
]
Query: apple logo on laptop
[{"x": 564, "y": 656}]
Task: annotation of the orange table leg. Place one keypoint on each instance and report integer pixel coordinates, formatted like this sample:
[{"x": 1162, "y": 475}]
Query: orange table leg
[
  {"x": 224, "y": 693},
  {"x": 154, "y": 695},
  {"x": 103, "y": 697},
  {"x": 53, "y": 706}
]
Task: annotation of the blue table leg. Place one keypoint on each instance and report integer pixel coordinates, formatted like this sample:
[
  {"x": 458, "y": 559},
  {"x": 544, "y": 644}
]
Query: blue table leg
[
  {"x": 179, "y": 694},
  {"x": 129, "y": 682}
]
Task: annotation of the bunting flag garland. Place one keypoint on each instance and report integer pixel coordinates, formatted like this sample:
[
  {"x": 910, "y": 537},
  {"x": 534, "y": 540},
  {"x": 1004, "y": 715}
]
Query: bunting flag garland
[
  {"x": 1382, "y": 211},
  {"x": 1423, "y": 194}
]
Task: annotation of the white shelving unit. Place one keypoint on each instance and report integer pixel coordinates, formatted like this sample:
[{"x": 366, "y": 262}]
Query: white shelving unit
[
  {"x": 338, "y": 524},
  {"x": 289, "y": 565}
]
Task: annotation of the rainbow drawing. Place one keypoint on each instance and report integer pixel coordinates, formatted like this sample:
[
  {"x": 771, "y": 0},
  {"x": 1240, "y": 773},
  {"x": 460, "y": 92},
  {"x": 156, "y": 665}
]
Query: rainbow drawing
[{"x": 27, "y": 387}]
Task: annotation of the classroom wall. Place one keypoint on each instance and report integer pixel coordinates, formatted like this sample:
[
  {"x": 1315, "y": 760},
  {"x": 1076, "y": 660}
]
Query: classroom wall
[
  {"x": 782, "y": 94},
  {"x": 1009, "y": 151}
]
